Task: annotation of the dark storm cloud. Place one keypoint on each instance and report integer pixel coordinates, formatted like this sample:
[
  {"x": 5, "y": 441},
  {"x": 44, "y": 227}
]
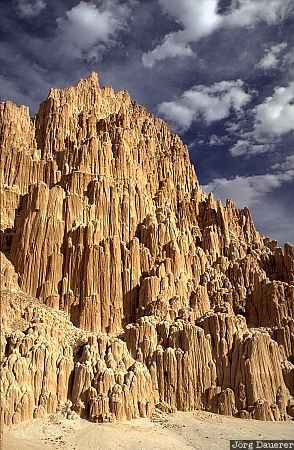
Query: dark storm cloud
[{"x": 222, "y": 69}]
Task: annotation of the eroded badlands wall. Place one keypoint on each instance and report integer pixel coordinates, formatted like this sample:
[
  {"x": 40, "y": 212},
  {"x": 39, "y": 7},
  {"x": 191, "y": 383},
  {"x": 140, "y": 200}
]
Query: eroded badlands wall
[{"x": 178, "y": 299}]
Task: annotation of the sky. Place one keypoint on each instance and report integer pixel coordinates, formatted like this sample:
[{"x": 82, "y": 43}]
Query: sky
[{"x": 220, "y": 72}]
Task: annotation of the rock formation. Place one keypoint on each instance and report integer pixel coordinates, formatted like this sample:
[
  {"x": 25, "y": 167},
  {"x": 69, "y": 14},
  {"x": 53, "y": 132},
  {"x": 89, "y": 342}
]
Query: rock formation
[{"x": 124, "y": 286}]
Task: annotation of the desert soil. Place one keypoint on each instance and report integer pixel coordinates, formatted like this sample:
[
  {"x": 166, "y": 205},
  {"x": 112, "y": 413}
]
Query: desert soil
[{"x": 184, "y": 431}]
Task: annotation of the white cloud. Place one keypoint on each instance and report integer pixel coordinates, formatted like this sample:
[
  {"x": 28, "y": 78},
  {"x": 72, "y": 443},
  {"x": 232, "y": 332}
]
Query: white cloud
[
  {"x": 86, "y": 27},
  {"x": 287, "y": 165},
  {"x": 210, "y": 104},
  {"x": 201, "y": 18},
  {"x": 275, "y": 116},
  {"x": 271, "y": 120},
  {"x": 246, "y": 13},
  {"x": 245, "y": 147},
  {"x": 248, "y": 191},
  {"x": 180, "y": 115},
  {"x": 198, "y": 19},
  {"x": 218, "y": 140},
  {"x": 258, "y": 193},
  {"x": 271, "y": 58},
  {"x": 171, "y": 47},
  {"x": 30, "y": 8},
  {"x": 288, "y": 63}
]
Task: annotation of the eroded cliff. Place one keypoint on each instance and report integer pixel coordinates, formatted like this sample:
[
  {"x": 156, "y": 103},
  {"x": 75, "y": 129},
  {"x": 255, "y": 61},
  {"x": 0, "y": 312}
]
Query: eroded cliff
[{"x": 124, "y": 286}]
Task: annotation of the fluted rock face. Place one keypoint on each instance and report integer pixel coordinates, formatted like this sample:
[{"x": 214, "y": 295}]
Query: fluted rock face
[
  {"x": 48, "y": 364},
  {"x": 149, "y": 290}
]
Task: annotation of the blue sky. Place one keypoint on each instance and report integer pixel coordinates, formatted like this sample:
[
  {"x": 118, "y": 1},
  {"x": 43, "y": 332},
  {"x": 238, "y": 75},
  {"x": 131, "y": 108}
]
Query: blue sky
[{"x": 220, "y": 72}]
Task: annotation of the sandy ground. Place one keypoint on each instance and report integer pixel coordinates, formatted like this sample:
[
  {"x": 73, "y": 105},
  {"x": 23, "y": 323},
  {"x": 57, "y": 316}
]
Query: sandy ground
[{"x": 185, "y": 431}]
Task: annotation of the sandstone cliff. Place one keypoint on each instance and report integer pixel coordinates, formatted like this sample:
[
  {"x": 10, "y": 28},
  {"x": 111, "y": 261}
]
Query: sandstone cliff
[{"x": 124, "y": 286}]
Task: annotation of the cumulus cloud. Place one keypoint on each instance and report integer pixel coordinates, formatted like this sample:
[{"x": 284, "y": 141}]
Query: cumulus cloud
[
  {"x": 88, "y": 28},
  {"x": 29, "y": 8},
  {"x": 208, "y": 103},
  {"x": 271, "y": 58},
  {"x": 275, "y": 116},
  {"x": 272, "y": 119},
  {"x": 201, "y": 18},
  {"x": 197, "y": 19}
]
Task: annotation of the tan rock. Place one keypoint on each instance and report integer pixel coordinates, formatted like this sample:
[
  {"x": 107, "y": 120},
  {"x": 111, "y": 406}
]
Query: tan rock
[{"x": 145, "y": 290}]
